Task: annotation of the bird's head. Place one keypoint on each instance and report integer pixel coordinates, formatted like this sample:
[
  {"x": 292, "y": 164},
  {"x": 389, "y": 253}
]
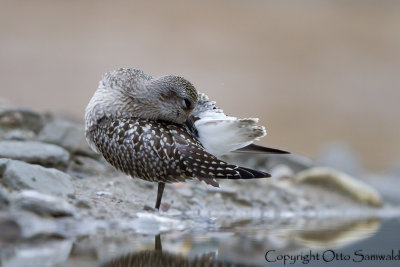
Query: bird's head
[
  {"x": 126, "y": 93},
  {"x": 173, "y": 98}
]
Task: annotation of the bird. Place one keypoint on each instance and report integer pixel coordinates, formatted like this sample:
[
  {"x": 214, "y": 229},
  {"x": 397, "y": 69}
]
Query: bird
[{"x": 161, "y": 129}]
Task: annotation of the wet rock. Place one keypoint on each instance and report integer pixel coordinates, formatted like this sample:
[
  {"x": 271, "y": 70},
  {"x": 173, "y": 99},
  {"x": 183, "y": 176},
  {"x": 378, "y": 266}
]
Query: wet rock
[
  {"x": 19, "y": 175},
  {"x": 42, "y": 204},
  {"x": 149, "y": 223},
  {"x": 341, "y": 183},
  {"x": 39, "y": 253},
  {"x": 12, "y": 117},
  {"x": 35, "y": 226},
  {"x": 34, "y": 152},
  {"x": 68, "y": 135}
]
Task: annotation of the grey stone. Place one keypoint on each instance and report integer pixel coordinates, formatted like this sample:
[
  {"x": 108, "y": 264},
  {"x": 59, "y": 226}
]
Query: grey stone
[
  {"x": 84, "y": 166},
  {"x": 10, "y": 229},
  {"x": 20, "y": 175},
  {"x": 4, "y": 198},
  {"x": 42, "y": 204},
  {"x": 34, "y": 152},
  {"x": 12, "y": 117},
  {"x": 83, "y": 203},
  {"x": 17, "y": 134},
  {"x": 67, "y": 134},
  {"x": 33, "y": 225},
  {"x": 48, "y": 253},
  {"x": 334, "y": 180}
]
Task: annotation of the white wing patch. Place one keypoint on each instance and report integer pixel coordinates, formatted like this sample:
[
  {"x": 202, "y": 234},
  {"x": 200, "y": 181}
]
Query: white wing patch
[{"x": 221, "y": 134}]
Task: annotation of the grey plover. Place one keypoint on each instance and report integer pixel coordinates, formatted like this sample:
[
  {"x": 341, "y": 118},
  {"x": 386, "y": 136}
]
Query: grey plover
[{"x": 162, "y": 130}]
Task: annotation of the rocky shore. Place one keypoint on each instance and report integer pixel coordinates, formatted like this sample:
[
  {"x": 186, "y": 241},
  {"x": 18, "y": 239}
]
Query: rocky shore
[{"x": 53, "y": 187}]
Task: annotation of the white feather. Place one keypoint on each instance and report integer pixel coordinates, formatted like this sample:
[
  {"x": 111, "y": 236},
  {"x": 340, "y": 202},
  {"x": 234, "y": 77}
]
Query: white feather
[{"x": 221, "y": 134}]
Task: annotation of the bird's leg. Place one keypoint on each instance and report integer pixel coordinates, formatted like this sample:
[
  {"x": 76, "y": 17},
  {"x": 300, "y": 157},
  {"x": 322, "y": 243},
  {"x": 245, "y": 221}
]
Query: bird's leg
[
  {"x": 157, "y": 243},
  {"x": 159, "y": 194}
]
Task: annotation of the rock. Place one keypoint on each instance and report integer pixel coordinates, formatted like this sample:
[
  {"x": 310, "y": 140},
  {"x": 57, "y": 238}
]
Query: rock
[
  {"x": 81, "y": 166},
  {"x": 281, "y": 172},
  {"x": 83, "y": 202},
  {"x": 165, "y": 207},
  {"x": 32, "y": 225},
  {"x": 42, "y": 204},
  {"x": 68, "y": 135},
  {"x": 12, "y": 117},
  {"x": 4, "y": 198},
  {"x": 20, "y": 175},
  {"x": 340, "y": 182},
  {"x": 10, "y": 230},
  {"x": 39, "y": 253},
  {"x": 34, "y": 152},
  {"x": 104, "y": 193},
  {"x": 17, "y": 134}
]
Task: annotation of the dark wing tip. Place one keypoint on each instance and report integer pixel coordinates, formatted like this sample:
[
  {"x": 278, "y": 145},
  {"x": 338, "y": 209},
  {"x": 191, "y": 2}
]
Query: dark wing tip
[
  {"x": 246, "y": 173},
  {"x": 252, "y": 148}
]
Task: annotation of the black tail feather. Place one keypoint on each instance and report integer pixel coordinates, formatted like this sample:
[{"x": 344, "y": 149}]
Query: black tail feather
[
  {"x": 246, "y": 173},
  {"x": 252, "y": 148}
]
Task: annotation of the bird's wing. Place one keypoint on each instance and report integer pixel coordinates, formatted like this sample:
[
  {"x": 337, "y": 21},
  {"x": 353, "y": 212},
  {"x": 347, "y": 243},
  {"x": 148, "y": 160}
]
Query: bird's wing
[
  {"x": 197, "y": 162},
  {"x": 220, "y": 134},
  {"x": 162, "y": 152}
]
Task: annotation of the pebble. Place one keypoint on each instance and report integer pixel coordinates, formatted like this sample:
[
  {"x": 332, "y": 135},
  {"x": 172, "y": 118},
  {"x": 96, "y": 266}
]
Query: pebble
[
  {"x": 10, "y": 229},
  {"x": 44, "y": 254},
  {"x": 42, "y": 204},
  {"x": 34, "y": 152},
  {"x": 85, "y": 166},
  {"x": 12, "y": 117},
  {"x": 68, "y": 135},
  {"x": 18, "y": 175},
  {"x": 334, "y": 180}
]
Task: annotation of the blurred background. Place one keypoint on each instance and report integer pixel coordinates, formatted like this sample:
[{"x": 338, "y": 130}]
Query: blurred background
[{"x": 314, "y": 72}]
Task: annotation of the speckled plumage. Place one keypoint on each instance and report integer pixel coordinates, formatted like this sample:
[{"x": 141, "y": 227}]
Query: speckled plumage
[
  {"x": 158, "y": 151},
  {"x": 158, "y": 129}
]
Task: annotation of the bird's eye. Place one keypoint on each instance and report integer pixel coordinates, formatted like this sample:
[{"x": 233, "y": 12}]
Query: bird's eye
[{"x": 186, "y": 104}]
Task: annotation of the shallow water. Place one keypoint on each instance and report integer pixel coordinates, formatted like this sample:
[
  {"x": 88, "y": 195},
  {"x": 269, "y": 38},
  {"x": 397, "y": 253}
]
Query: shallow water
[
  {"x": 249, "y": 243},
  {"x": 337, "y": 243}
]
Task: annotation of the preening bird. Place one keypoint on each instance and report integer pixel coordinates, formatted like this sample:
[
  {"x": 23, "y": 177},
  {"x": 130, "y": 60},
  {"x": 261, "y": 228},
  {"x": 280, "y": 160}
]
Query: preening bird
[{"x": 162, "y": 130}]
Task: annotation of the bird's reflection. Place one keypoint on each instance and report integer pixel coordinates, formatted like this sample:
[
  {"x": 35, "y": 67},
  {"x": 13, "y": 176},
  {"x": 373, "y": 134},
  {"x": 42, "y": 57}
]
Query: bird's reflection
[{"x": 157, "y": 257}]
